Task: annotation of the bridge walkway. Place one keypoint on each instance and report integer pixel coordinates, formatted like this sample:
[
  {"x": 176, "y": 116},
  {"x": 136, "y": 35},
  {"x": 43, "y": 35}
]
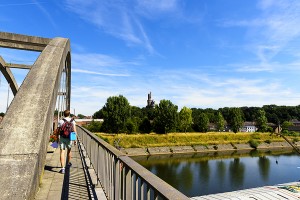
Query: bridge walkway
[{"x": 76, "y": 183}]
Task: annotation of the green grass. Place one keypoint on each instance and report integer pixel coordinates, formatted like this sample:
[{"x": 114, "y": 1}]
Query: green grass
[{"x": 182, "y": 139}]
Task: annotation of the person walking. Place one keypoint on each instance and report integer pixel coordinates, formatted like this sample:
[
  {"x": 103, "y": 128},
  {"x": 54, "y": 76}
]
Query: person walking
[{"x": 66, "y": 126}]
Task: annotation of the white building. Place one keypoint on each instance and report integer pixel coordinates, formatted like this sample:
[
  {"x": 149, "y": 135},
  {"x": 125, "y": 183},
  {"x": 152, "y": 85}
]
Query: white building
[{"x": 249, "y": 127}]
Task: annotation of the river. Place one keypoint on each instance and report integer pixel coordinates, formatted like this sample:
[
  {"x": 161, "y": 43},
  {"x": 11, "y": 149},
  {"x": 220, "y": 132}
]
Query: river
[{"x": 201, "y": 174}]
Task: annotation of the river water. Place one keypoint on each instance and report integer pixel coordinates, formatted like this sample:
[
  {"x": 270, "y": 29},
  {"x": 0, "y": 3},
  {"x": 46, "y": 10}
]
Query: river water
[{"x": 201, "y": 174}]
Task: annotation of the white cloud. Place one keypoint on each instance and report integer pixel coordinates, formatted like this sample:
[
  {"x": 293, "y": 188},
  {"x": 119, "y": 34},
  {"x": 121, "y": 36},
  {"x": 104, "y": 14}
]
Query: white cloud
[
  {"x": 100, "y": 64},
  {"x": 115, "y": 18},
  {"x": 96, "y": 73},
  {"x": 95, "y": 60},
  {"x": 166, "y": 5},
  {"x": 273, "y": 30}
]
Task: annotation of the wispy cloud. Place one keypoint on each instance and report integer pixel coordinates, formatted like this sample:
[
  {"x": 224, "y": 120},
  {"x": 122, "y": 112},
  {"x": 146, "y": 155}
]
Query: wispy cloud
[
  {"x": 18, "y": 4},
  {"x": 95, "y": 60},
  {"x": 115, "y": 18},
  {"x": 154, "y": 9},
  {"x": 272, "y": 30},
  {"x": 45, "y": 12},
  {"x": 96, "y": 73},
  {"x": 161, "y": 6},
  {"x": 36, "y": 3}
]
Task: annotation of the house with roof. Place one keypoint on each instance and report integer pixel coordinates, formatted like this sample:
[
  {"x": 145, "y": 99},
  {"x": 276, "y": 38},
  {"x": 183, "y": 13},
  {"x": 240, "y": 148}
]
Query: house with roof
[
  {"x": 249, "y": 127},
  {"x": 296, "y": 125}
]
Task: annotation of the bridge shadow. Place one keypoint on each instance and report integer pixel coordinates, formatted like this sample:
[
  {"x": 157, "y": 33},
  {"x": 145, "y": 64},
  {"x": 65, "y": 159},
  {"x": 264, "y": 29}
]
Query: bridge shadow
[
  {"x": 75, "y": 184},
  {"x": 77, "y": 181}
]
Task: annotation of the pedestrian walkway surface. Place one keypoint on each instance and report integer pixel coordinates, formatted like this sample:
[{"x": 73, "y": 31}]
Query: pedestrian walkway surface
[{"x": 74, "y": 184}]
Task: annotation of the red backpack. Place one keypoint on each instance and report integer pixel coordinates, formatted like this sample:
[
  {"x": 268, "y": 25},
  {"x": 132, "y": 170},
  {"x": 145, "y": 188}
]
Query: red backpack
[{"x": 66, "y": 128}]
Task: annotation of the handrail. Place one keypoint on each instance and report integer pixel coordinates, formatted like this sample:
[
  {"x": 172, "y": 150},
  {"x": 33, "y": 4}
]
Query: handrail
[{"x": 120, "y": 176}]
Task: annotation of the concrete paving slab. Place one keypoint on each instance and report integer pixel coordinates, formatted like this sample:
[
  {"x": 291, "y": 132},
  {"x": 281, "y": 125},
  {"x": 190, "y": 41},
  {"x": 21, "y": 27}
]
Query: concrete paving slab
[{"x": 71, "y": 185}]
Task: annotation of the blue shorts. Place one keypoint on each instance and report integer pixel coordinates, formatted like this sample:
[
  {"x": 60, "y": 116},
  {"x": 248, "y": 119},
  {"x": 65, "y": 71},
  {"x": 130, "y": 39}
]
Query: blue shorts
[{"x": 65, "y": 143}]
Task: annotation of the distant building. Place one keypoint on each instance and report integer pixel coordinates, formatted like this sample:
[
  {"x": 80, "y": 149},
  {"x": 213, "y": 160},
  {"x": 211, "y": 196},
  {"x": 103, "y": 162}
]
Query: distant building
[
  {"x": 296, "y": 125},
  {"x": 249, "y": 127},
  {"x": 295, "y": 122},
  {"x": 150, "y": 102},
  {"x": 82, "y": 122}
]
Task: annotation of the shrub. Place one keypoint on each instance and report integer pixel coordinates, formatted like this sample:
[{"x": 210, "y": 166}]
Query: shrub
[
  {"x": 233, "y": 145},
  {"x": 94, "y": 126},
  {"x": 255, "y": 136},
  {"x": 268, "y": 141},
  {"x": 253, "y": 143},
  {"x": 295, "y": 140}
]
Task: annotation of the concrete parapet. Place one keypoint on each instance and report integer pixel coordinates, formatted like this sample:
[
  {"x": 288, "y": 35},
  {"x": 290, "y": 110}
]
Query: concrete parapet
[
  {"x": 182, "y": 149},
  {"x": 225, "y": 147},
  {"x": 274, "y": 145},
  {"x": 242, "y": 146},
  {"x": 159, "y": 150},
  {"x": 212, "y": 147},
  {"x": 200, "y": 148},
  {"x": 136, "y": 151}
]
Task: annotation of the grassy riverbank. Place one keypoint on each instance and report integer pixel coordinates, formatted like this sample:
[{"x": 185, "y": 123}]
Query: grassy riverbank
[{"x": 187, "y": 139}]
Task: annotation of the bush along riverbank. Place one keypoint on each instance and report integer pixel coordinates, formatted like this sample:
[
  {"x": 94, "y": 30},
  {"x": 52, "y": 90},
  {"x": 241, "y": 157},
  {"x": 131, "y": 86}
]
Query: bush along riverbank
[{"x": 173, "y": 143}]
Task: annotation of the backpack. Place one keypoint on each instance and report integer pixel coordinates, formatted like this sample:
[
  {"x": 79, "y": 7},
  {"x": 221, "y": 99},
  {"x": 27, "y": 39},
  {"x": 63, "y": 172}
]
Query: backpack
[{"x": 66, "y": 128}]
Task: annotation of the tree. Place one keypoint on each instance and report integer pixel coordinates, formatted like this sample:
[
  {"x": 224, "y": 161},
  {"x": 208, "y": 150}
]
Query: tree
[
  {"x": 80, "y": 116},
  {"x": 261, "y": 121},
  {"x": 2, "y": 114},
  {"x": 94, "y": 126},
  {"x": 145, "y": 126},
  {"x": 203, "y": 122},
  {"x": 220, "y": 122},
  {"x": 285, "y": 126},
  {"x": 99, "y": 114},
  {"x": 166, "y": 116},
  {"x": 136, "y": 112},
  {"x": 148, "y": 112},
  {"x": 116, "y": 111},
  {"x": 250, "y": 113},
  {"x": 132, "y": 125},
  {"x": 236, "y": 119},
  {"x": 185, "y": 118},
  {"x": 200, "y": 120}
]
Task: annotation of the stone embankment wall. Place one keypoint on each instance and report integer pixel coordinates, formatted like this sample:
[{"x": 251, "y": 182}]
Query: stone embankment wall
[{"x": 202, "y": 148}]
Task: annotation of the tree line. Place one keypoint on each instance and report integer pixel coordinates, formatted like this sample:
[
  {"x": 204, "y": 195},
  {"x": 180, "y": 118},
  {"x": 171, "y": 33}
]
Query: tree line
[{"x": 120, "y": 117}]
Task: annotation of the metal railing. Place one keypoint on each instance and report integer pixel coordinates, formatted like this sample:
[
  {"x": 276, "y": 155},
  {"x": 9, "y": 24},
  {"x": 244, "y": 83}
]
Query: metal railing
[{"x": 120, "y": 176}]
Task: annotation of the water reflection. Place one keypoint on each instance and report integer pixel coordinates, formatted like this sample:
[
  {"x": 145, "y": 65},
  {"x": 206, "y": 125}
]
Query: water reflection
[
  {"x": 264, "y": 167},
  {"x": 186, "y": 177},
  {"x": 167, "y": 172},
  {"x": 236, "y": 173},
  {"x": 221, "y": 172},
  {"x": 202, "y": 174}
]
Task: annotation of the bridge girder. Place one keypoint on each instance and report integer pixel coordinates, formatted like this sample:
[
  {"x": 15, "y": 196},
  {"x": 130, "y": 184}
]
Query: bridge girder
[
  {"x": 8, "y": 76},
  {"x": 25, "y": 129},
  {"x": 23, "y": 42}
]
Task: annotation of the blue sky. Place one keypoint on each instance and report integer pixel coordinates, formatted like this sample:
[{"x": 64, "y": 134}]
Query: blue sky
[{"x": 196, "y": 53}]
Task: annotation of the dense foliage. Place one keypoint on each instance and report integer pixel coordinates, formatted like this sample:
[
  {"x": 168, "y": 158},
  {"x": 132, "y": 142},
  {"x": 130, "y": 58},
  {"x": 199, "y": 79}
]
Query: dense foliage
[
  {"x": 116, "y": 112},
  {"x": 119, "y": 117}
]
